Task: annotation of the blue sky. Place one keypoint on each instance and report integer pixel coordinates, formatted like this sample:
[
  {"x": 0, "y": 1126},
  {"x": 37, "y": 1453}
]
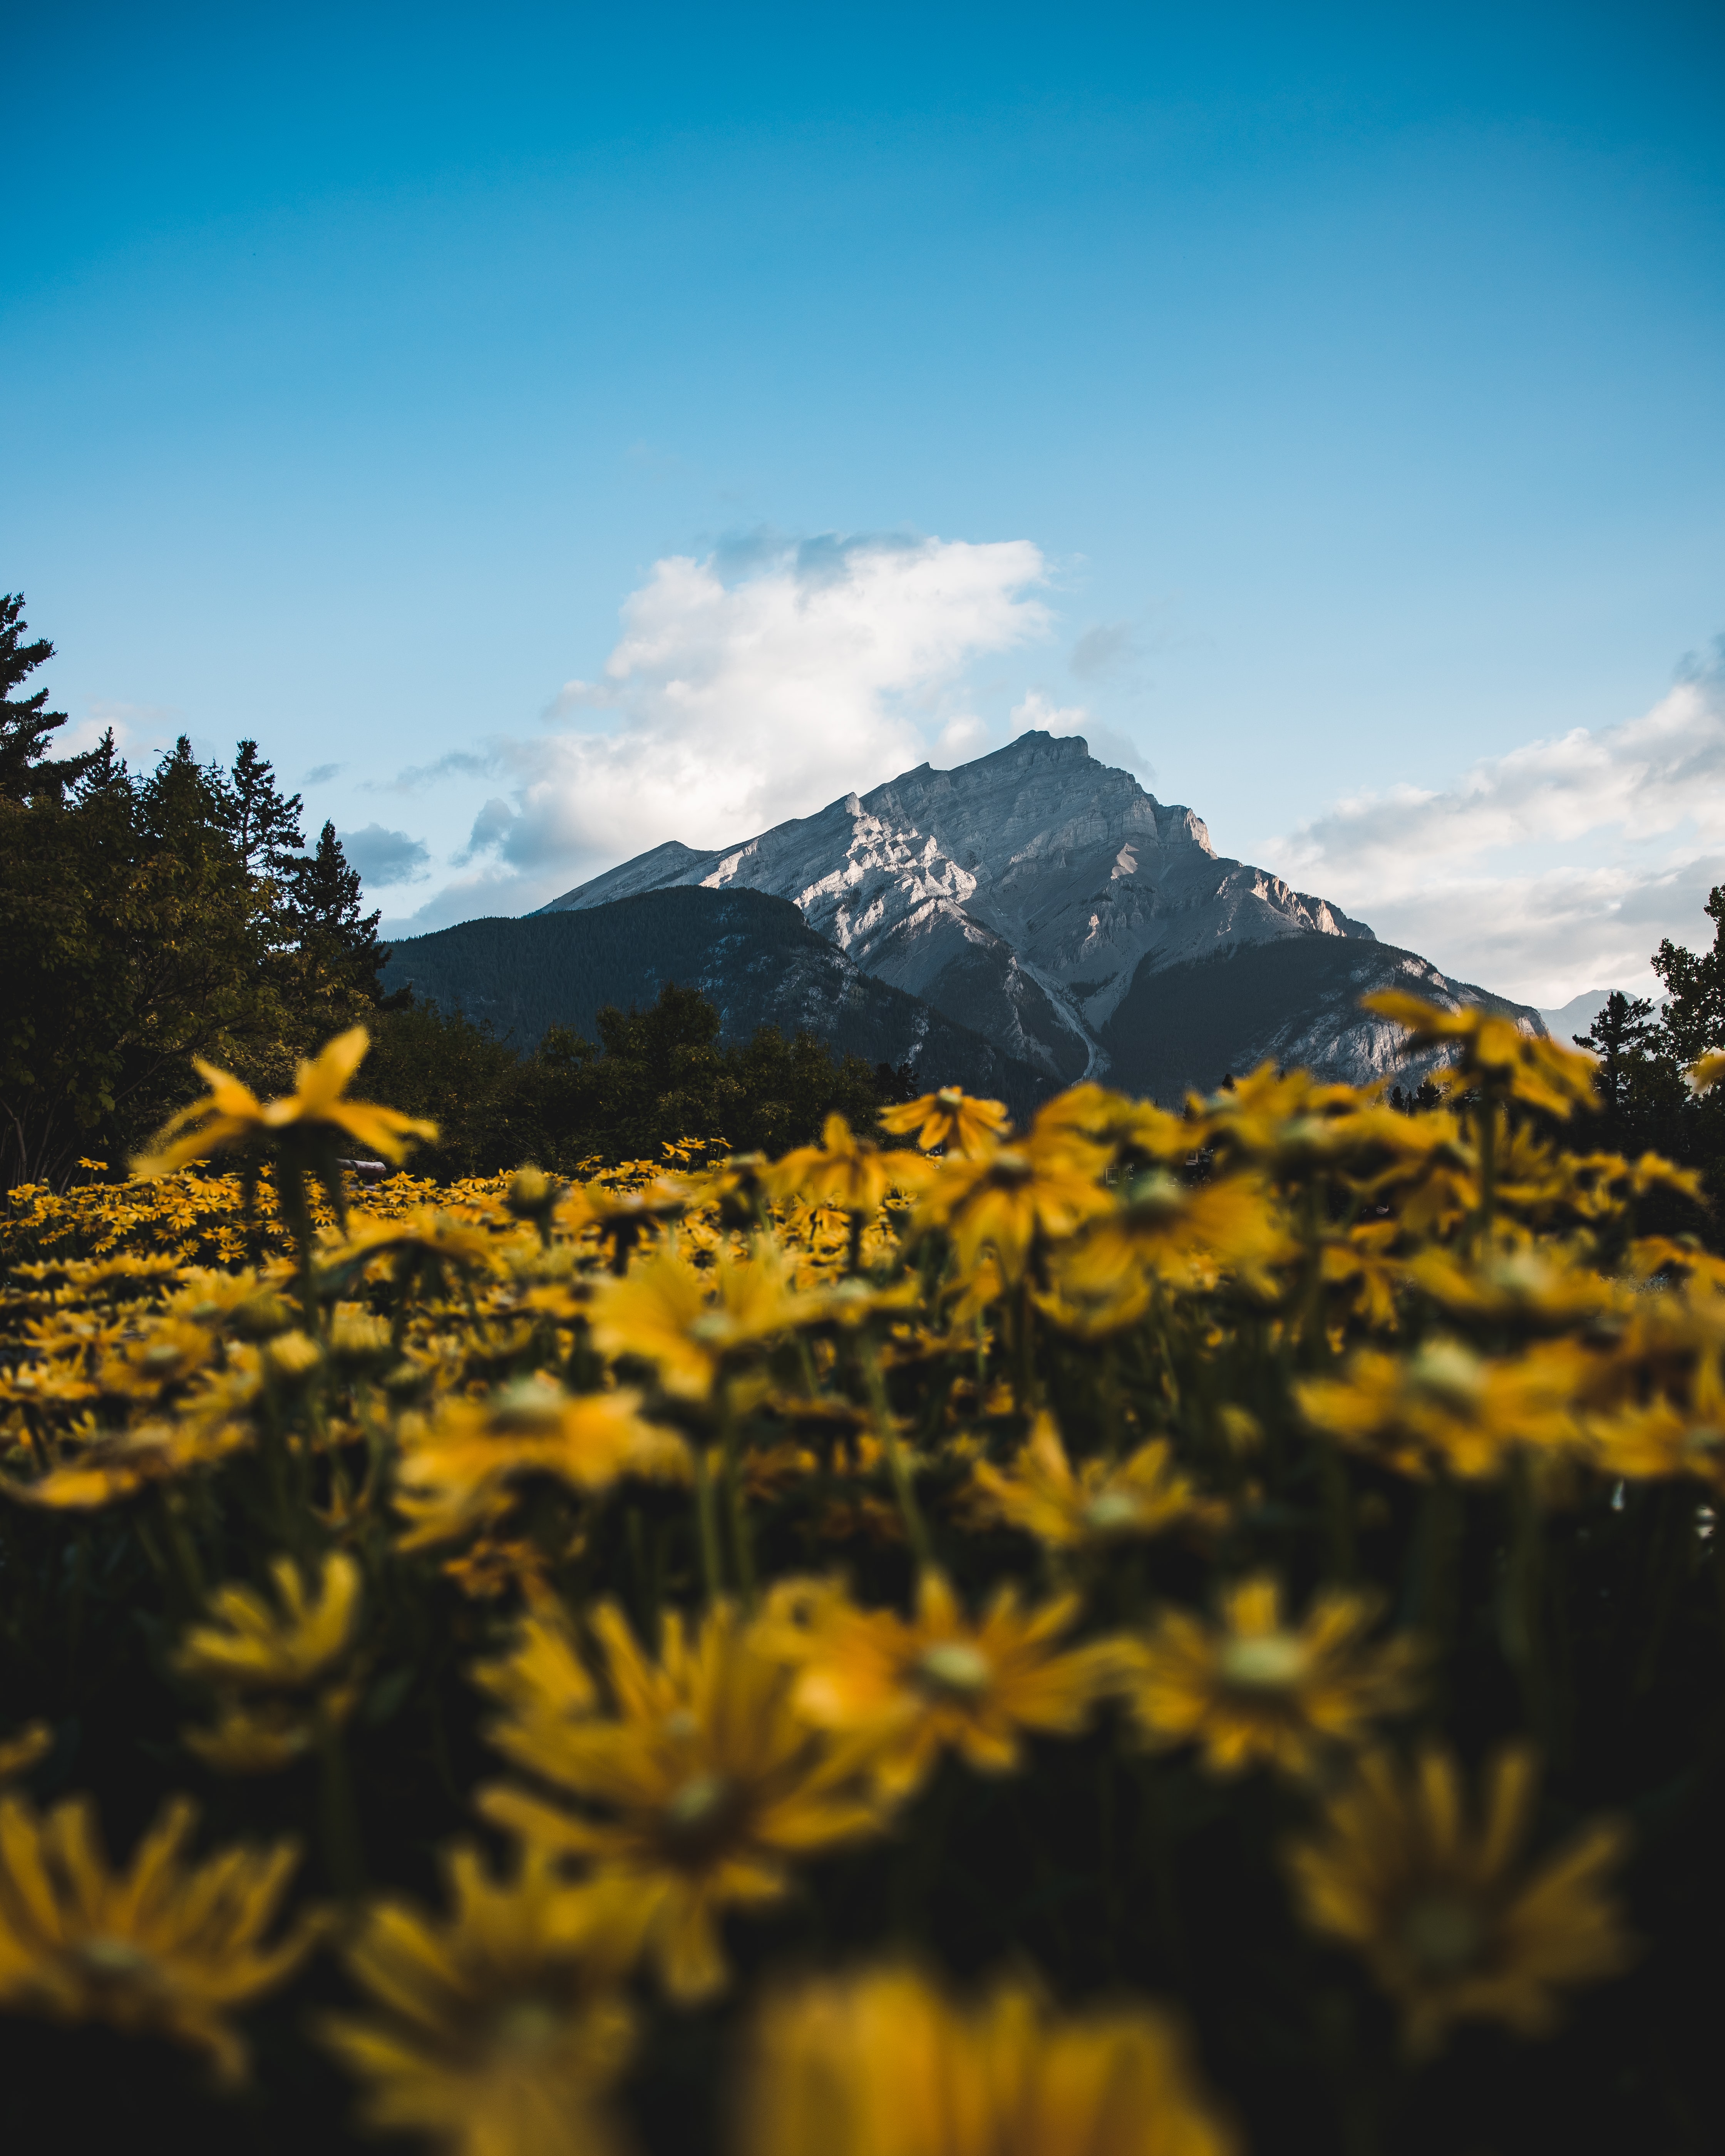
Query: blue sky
[{"x": 561, "y": 428}]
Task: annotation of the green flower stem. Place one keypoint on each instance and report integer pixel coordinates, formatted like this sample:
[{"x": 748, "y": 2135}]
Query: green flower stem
[
  {"x": 337, "y": 1819},
  {"x": 706, "y": 1518},
  {"x": 184, "y": 1570},
  {"x": 742, "y": 1552},
  {"x": 903, "y": 1487}
]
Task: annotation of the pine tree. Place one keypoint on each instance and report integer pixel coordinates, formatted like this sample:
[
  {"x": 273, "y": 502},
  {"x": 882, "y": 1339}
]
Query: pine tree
[
  {"x": 262, "y": 822},
  {"x": 1694, "y": 1017},
  {"x": 339, "y": 960},
  {"x": 1623, "y": 1037},
  {"x": 26, "y": 722}
]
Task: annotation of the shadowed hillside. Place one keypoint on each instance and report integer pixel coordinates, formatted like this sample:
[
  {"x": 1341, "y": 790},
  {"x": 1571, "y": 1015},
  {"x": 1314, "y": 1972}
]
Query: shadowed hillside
[{"x": 753, "y": 957}]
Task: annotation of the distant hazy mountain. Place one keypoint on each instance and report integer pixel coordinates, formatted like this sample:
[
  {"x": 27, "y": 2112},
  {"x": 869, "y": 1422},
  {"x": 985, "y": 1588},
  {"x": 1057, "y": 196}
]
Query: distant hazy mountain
[
  {"x": 1048, "y": 903},
  {"x": 753, "y": 956},
  {"x": 1576, "y": 1015}
]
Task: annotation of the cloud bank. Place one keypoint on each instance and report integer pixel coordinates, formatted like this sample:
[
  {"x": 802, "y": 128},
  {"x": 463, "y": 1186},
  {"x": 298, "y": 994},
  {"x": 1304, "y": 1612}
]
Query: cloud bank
[
  {"x": 1550, "y": 870},
  {"x": 757, "y": 684}
]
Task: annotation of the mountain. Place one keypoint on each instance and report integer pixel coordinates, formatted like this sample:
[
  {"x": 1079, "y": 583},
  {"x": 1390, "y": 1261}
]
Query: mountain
[
  {"x": 753, "y": 956},
  {"x": 1576, "y": 1015},
  {"x": 1046, "y": 902}
]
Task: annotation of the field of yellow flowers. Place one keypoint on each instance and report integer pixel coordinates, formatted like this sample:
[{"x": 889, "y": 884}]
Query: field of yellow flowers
[{"x": 1146, "y": 1635}]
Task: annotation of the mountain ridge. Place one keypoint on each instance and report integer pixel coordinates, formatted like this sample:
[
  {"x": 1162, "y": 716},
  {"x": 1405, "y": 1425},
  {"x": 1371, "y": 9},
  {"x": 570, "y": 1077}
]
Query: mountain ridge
[{"x": 1028, "y": 894}]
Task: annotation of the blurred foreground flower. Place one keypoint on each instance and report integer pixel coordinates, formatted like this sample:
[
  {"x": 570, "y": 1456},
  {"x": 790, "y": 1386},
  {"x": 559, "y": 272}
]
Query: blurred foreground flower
[
  {"x": 463, "y": 1470},
  {"x": 276, "y": 1673},
  {"x": 1008, "y": 1198},
  {"x": 500, "y": 2031},
  {"x": 949, "y": 1118},
  {"x": 1256, "y": 1690},
  {"x": 1445, "y": 1409},
  {"x": 709, "y": 1783},
  {"x": 1105, "y": 1501},
  {"x": 1492, "y": 1053},
  {"x": 696, "y": 1326},
  {"x": 163, "y": 1949},
  {"x": 305, "y": 1130},
  {"x": 883, "y": 2064},
  {"x": 907, "y": 1691},
  {"x": 845, "y": 1172},
  {"x": 1439, "y": 1909}
]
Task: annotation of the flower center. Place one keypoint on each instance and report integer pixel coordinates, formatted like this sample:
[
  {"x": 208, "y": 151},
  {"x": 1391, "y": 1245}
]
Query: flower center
[
  {"x": 1448, "y": 1374},
  {"x": 113, "y": 1958},
  {"x": 528, "y": 1410},
  {"x": 1110, "y": 1511},
  {"x": 1266, "y": 1661},
  {"x": 954, "y": 1667},
  {"x": 1154, "y": 1197},
  {"x": 525, "y": 2025},
  {"x": 713, "y": 1328},
  {"x": 1011, "y": 1169},
  {"x": 699, "y": 1801},
  {"x": 950, "y": 1097},
  {"x": 1443, "y": 1934}
]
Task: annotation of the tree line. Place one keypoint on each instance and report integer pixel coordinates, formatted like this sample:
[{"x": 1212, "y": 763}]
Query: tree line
[
  {"x": 1644, "y": 1048},
  {"x": 148, "y": 919}
]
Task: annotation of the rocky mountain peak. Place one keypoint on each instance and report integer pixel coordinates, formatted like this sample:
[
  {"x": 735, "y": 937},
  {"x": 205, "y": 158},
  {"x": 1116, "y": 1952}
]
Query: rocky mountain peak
[{"x": 1025, "y": 894}]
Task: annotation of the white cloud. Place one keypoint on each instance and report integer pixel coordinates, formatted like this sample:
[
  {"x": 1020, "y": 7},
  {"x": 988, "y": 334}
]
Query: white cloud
[
  {"x": 384, "y": 857},
  {"x": 141, "y": 731},
  {"x": 1552, "y": 870},
  {"x": 1107, "y": 744},
  {"x": 732, "y": 701}
]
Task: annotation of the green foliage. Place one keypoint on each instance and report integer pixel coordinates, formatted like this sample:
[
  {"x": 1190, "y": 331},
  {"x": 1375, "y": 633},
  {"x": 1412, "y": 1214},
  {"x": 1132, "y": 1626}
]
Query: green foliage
[
  {"x": 26, "y": 722},
  {"x": 1693, "y": 1018},
  {"x": 656, "y": 1077},
  {"x": 148, "y": 920}
]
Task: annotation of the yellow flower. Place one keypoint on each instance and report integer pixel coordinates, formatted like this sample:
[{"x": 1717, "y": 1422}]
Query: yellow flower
[
  {"x": 109, "y": 1469},
  {"x": 250, "y": 1647},
  {"x": 845, "y": 1172},
  {"x": 1003, "y": 1199},
  {"x": 1494, "y": 1054},
  {"x": 427, "y": 1246},
  {"x": 144, "y": 1369},
  {"x": 498, "y": 2034},
  {"x": 1111, "y": 1119},
  {"x": 230, "y": 1114},
  {"x": 1105, "y": 1501},
  {"x": 663, "y": 1311},
  {"x": 275, "y": 1671},
  {"x": 1524, "y": 1286},
  {"x": 623, "y": 1213},
  {"x": 1285, "y": 1119},
  {"x": 948, "y": 1117},
  {"x": 1446, "y": 1407},
  {"x": 463, "y": 1468},
  {"x": 1254, "y": 1690},
  {"x": 1183, "y": 1234},
  {"x": 162, "y": 1948},
  {"x": 886, "y": 2064},
  {"x": 1442, "y": 1912},
  {"x": 20, "y": 1753},
  {"x": 907, "y": 1691},
  {"x": 1702, "y": 1077},
  {"x": 705, "y": 1782}
]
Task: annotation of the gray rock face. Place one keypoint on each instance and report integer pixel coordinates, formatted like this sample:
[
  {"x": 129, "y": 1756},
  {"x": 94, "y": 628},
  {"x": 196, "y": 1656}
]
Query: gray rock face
[{"x": 1026, "y": 896}]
